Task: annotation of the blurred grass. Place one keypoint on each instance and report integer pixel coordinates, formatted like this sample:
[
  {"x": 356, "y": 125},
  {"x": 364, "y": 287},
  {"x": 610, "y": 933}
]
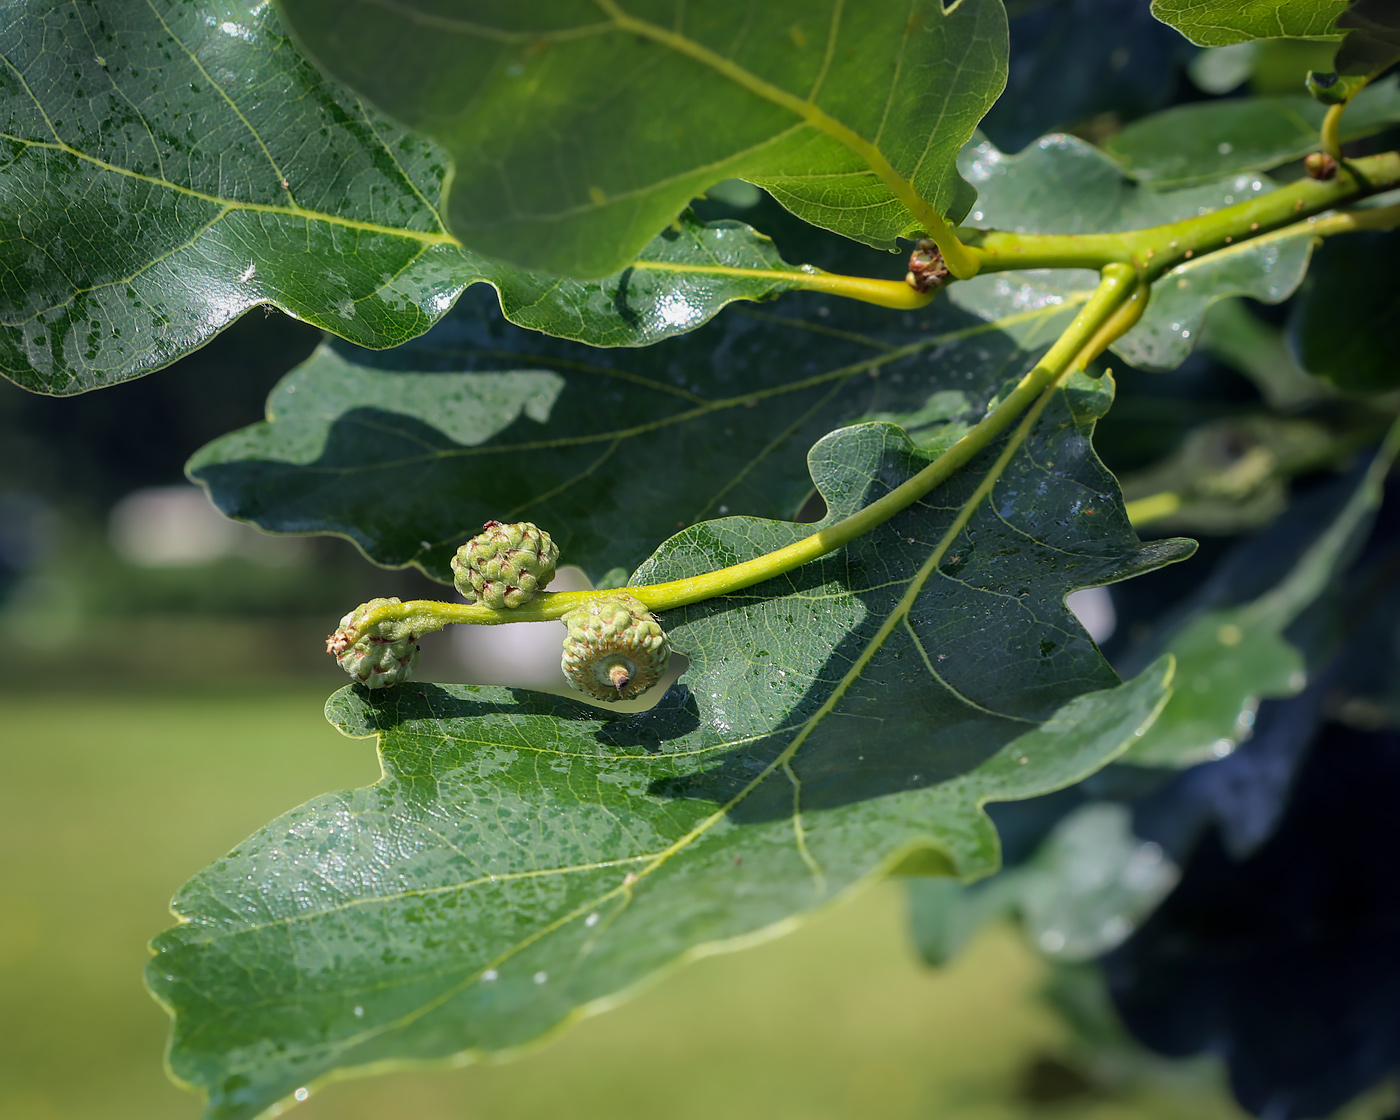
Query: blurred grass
[{"x": 110, "y": 801}]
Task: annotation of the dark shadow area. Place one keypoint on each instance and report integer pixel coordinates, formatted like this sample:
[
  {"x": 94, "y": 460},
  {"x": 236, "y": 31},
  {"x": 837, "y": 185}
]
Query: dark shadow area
[
  {"x": 408, "y": 487},
  {"x": 673, "y": 717},
  {"x": 621, "y": 303},
  {"x": 1286, "y": 964},
  {"x": 99, "y": 446},
  {"x": 1125, "y": 64}
]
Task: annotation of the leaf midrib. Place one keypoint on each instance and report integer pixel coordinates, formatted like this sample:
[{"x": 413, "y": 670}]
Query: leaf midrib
[{"x": 229, "y": 205}]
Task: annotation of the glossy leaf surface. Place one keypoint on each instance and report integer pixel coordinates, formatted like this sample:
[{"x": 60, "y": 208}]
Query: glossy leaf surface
[
  {"x": 1062, "y": 185},
  {"x": 169, "y": 167},
  {"x": 1195, "y": 143},
  {"x": 175, "y": 165},
  {"x": 1216, "y": 23},
  {"x": 408, "y": 453},
  {"x": 527, "y": 856},
  {"x": 578, "y": 130}
]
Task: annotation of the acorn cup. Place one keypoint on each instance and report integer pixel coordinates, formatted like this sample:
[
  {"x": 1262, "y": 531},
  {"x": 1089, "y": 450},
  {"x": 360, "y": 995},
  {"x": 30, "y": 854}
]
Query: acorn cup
[
  {"x": 615, "y": 649},
  {"x": 374, "y": 656},
  {"x": 505, "y": 564}
]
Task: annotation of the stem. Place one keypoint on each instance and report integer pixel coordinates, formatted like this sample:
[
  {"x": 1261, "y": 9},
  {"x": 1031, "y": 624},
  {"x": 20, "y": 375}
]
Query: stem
[
  {"x": 1085, "y": 337},
  {"x": 1160, "y": 248},
  {"x": 1154, "y": 507},
  {"x": 884, "y": 293},
  {"x": 1153, "y": 251},
  {"x": 1332, "y": 130},
  {"x": 1352, "y": 221}
]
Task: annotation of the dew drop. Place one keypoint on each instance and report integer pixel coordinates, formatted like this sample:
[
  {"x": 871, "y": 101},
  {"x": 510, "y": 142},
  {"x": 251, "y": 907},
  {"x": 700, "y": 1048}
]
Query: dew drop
[
  {"x": 301, "y": 1094},
  {"x": 359, "y": 1012},
  {"x": 541, "y": 977},
  {"x": 489, "y": 975}
]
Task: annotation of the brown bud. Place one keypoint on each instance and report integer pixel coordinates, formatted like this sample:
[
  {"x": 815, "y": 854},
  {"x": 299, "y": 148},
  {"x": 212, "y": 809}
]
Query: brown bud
[
  {"x": 1320, "y": 165},
  {"x": 927, "y": 272}
]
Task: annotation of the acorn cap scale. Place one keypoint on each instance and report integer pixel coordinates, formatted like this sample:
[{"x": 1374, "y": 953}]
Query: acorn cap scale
[
  {"x": 375, "y": 656},
  {"x": 615, "y": 648},
  {"x": 505, "y": 564}
]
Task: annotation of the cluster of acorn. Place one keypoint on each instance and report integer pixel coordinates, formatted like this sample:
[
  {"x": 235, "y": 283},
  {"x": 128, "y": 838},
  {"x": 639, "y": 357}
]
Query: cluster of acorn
[{"x": 615, "y": 648}]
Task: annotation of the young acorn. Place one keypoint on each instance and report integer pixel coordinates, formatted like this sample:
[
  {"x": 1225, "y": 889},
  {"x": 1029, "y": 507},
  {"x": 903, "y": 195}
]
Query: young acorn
[
  {"x": 505, "y": 564},
  {"x": 375, "y": 656},
  {"x": 615, "y": 648}
]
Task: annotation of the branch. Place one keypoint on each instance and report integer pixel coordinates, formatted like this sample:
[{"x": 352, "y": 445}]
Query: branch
[
  {"x": 1111, "y": 311},
  {"x": 1158, "y": 249}
]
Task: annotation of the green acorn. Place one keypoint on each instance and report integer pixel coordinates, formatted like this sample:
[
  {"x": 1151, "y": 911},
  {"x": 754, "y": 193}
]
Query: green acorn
[
  {"x": 376, "y": 656},
  {"x": 505, "y": 564},
  {"x": 615, "y": 648}
]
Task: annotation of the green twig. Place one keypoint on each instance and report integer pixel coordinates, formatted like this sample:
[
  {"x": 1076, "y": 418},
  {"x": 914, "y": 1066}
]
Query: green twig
[
  {"x": 895, "y": 294},
  {"x": 1086, "y": 336},
  {"x": 1160, "y": 248}
]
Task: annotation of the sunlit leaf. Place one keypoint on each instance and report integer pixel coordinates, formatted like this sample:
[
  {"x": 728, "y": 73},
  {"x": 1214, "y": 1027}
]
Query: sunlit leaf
[
  {"x": 168, "y": 167},
  {"x": 1214, "y": 23},
  {"x": 577, "y": 130},
  {"x": 1195, "y": 143},
  {"x": 527, "y": 857},
  {"x": 1062, "y": 185}
]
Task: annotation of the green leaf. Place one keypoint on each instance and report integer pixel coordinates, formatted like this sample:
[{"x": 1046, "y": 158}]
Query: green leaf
[
  {"x": 527, "y": 858},
  {"x": 678, "y": 281},
  {"x": 1372, "y": 42},
  {"x": 1088, "y": 886},
  {"x": 1062, "y": 185},
  {"x": 1216, "y": 23},
  {"x": 1192, "y": 144},
  {"x": 176, "y": 165},
  {"x": 578, "y": 130},
  {"x": 1231, "y": 658},
  {"x": 1343, "y": 324},
  {"x": 408, "y": 453}
]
